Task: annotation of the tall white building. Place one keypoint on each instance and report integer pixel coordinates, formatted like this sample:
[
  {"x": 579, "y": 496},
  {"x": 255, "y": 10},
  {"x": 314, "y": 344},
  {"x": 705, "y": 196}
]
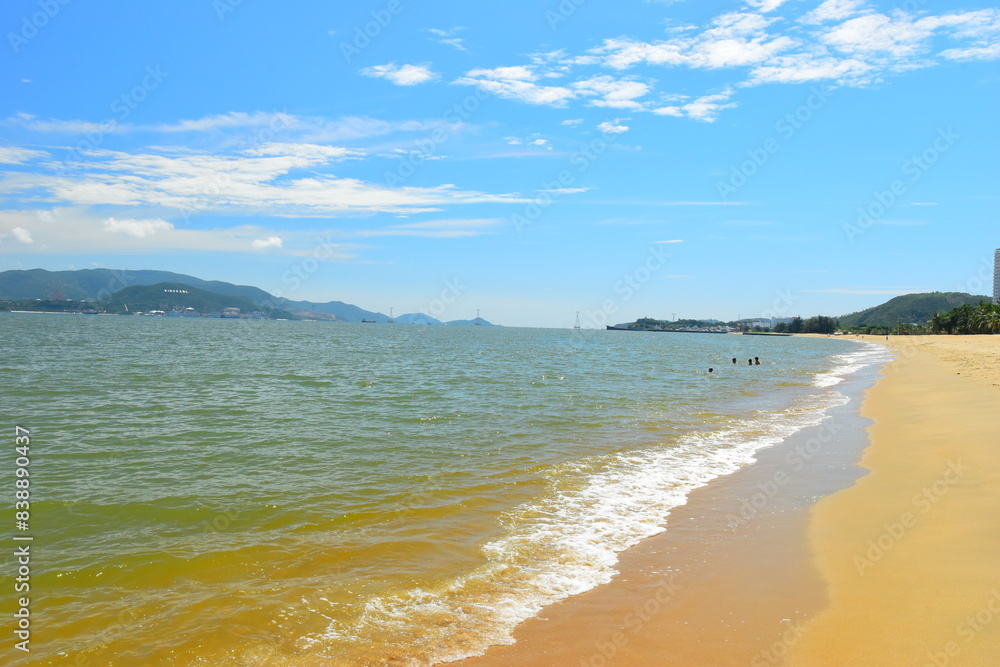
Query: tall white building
[{"x": 996, "y": 277}]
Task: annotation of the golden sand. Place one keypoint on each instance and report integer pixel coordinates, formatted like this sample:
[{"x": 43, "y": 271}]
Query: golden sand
[
  {"x": 902, "y": 568},
  {"x": 911, "y": 553}
]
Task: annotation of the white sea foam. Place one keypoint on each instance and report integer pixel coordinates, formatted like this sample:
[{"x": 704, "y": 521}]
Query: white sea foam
[
  {"x": 568, "y": 541},
  {"x": 851, "y": 362}
]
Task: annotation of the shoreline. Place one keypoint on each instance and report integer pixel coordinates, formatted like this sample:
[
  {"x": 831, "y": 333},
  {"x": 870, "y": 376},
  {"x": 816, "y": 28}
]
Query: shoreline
[
  {"x": 784, "y": 588},
  {"x": 911, "y": 552},
  {"x": 729, "y": 582}
]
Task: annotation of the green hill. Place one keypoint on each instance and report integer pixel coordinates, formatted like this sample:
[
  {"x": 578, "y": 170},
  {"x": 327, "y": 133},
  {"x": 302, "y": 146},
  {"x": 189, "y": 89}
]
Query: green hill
[
  {"x": 909, "y": 309},
  {"x": 175, "y": 296},
  {"x": 99, "y": 284}
]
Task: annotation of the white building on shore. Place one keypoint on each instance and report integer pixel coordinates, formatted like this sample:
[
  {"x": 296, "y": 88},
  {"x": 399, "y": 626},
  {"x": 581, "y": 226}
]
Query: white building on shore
[{"x": 996, "y": 277}]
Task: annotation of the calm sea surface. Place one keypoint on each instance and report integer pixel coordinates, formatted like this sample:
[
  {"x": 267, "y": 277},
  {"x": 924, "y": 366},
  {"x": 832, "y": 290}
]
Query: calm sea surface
[{"x": 225, "y": 492}]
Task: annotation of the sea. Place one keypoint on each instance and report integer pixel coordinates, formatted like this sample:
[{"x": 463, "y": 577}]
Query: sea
[{"x": 236, "y": 492}]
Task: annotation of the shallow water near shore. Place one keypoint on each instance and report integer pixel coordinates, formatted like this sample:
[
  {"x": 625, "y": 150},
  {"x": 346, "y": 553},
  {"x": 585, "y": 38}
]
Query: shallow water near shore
[{"x": 230, "y": 492}]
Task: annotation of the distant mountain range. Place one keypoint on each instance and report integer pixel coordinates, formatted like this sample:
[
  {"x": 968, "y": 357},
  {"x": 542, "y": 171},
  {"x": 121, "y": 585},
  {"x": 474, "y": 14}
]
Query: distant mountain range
[
  {"x": 909, "y": 309},
  {"x": 101, "y": 285}
]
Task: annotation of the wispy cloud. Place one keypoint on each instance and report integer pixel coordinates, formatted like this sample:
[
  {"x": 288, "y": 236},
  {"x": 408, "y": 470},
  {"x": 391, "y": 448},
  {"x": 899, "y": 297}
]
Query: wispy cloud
[
  {"x": 440, "y": 229},
  {"x": 517, "y": 83},
  {"x": 841, "y": 42},
  {"x": 74, "y": 230},
  {"x": 15, "y": 155},
  {"x": 256, "y": 181},
  {"x": 401, "y": 75},
  {"x": 447, "y": 36}
]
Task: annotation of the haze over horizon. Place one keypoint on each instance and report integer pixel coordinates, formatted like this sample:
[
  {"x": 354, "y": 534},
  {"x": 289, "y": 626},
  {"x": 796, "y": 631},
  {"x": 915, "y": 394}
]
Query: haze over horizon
[{"x": 705, "y": 159}]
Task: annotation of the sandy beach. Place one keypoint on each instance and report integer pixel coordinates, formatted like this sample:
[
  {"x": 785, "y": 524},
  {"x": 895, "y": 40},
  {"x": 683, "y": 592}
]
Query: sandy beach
[
  {"x": 895, "y": 564},
  {"x": 911, "y": 553}
]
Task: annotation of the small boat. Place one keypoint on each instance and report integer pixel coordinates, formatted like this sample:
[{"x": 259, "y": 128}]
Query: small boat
[{"x": 368, "y": 321}]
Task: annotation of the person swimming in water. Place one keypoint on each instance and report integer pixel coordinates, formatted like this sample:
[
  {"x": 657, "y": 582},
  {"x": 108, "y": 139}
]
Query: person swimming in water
[
  {"x": 734, "y": 361},
  {"x": 756, "y": 361}
]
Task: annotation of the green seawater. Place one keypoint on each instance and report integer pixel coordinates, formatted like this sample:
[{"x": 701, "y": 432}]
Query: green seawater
[{"x": 237, "y": 492}]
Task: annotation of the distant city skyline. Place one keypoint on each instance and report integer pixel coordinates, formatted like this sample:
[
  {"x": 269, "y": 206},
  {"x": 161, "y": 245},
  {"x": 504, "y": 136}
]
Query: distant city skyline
[{"x": 708, "y": 159}]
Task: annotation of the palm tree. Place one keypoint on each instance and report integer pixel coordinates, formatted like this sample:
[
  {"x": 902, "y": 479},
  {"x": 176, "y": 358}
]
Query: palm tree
[
  {"x": 937, "y": 323},
  {"x": 962, "y": 318},
  {"x": 986, "y": 318}
]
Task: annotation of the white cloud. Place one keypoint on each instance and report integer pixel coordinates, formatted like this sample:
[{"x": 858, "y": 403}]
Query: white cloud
[
  {"x": 22, "y": 235},
  {"x": 255, "y": 183},
  {"x": 139, "y": 229},
  {"x": 532, "y": 140},
  {"x": 572, "y": 122},
  {"x": 516, "y": 73},
  {"x": 670, "y": 241},
  {"x": 833, "y": 10},
  {"x": 877, "y": 33},
  {"x": 766, "y": 5},
  {"x": 309, "y": 152},
  {"x": 613, "y": 93},
  {"x": 448, "y": 37},
  {"x": 705, "y": 108},
  {"x": 734, "y": 39},
  {"x": 16, "y": 155},
  {"x": 991, "y": 52},
  {"x": 614, "y": 127},
  {"x": 841, "y": 41},
  {"x": 440, "y": 229},
  {"x": 73, "y": 231},
  {"x": 269, "y": 242},
  {"x": 803, "y": 67},
  {"x": 516, "y": 83},
  {"x": 231, "y": 120},
  {"x": 401, "y": 75}
]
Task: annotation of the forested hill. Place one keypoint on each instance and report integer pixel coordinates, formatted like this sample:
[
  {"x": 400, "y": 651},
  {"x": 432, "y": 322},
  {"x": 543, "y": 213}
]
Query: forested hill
[{"x": 909, "y": 309}]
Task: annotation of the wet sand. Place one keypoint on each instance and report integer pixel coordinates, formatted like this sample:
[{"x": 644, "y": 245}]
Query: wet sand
[
  {"x": 893, "y": 560},
  {"x": 912, "y": 551},
  {"x": 731, "y": 581}
]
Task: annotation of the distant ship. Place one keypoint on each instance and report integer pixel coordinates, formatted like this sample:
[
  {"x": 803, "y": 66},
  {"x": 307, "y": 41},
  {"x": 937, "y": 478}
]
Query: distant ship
[{"x": 368, "y": 321}]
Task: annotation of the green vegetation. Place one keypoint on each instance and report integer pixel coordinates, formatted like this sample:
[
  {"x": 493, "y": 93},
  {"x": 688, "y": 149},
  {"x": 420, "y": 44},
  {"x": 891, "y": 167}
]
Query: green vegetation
[
  {"x": 178, "y": 297},
  {"x": 820, "y": 324},
  {"x": 983, "y": 319},
  {"x": 650, "y": 324},
  {"x": 907, "y": 309}
]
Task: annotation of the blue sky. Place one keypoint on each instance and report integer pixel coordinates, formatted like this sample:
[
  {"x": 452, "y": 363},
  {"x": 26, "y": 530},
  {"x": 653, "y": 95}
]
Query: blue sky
[{"x": 529, "y": 159}]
